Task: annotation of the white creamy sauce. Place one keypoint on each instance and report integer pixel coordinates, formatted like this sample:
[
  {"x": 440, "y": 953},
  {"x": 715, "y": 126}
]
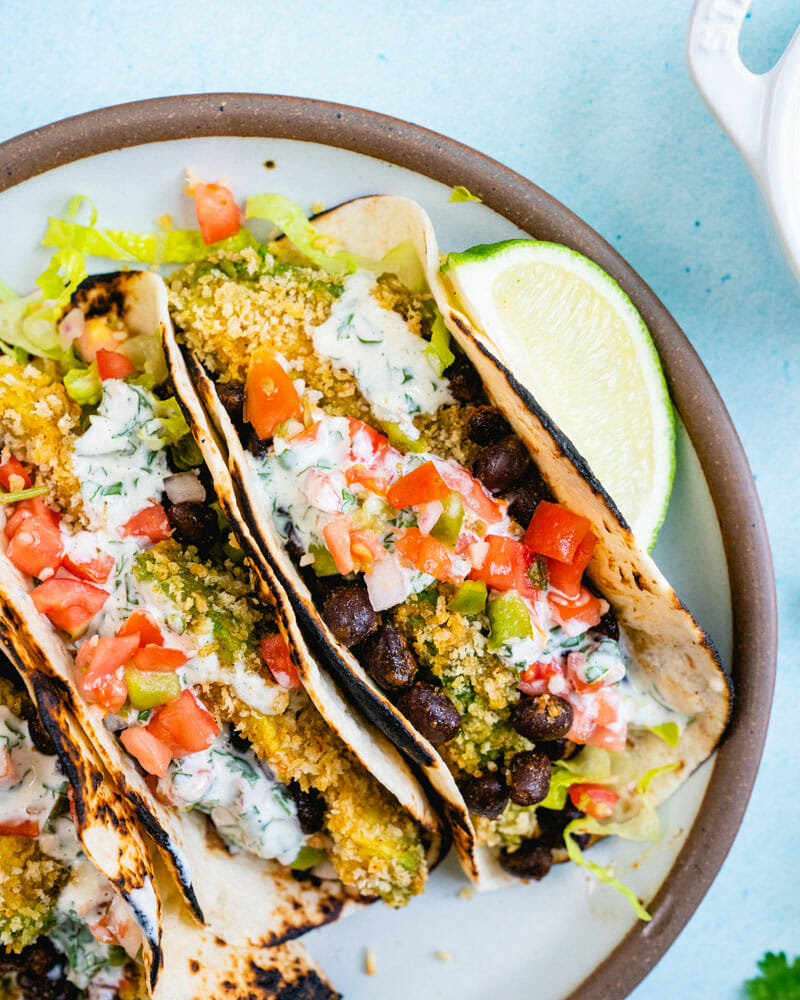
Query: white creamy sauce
[
  {"x": 120, "y": 460},
  {"x": 250, "y": 810},
  {"x": 386, "y": 359},
  {"x": 641, "y": 704},
  {"x": 259, "y": 693},
  {"x": 33, "y": 783}
]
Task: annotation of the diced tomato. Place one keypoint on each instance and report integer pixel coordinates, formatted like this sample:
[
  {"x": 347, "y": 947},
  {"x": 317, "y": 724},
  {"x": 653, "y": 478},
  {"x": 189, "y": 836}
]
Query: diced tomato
[
  {"x": 506, "y": 566},
  {"x": 579, "y": 613},
  {"x": 8, "y": 772},
  {"x": 556, "y": 532},
  {"x": 607, "y": 739},
  {"x": 566, "y": 577},
  {"x": 307, "y": 436},
  {"x": 472, "y": 492},
  {"x": 158, "y": 657},
  {"x": 426, "y": 553},
  {"x": 218, "y": 214},
  {"x": 270, "y": 395},
  {"x": 535, "y": 678},
  {"x": 98, "y": 670},
  {"x": 366, "y": 549},
  {"x": 377, "y": 444},
  {"x": 421, "y": 485},
  {"x": 35, "y": 545},
  {"x": 152, "y": 523},
  {"x": 101, "y": 931},
  {"x": 69, "y": 604},
  {"x": 13, "y": 467},
  {"x": 95, "y": 570},
  {"x": 152, "y": 753},
  {"x": 113, "y": 364},
  {"x": 143, "y": 624},
  {"x": 24, "y": 509},
  {"x": 184, "y": 725},
  {"x": 20, "y": 828},
  {"x": 337, "y": 537},
  {"x": 372, "y": 481},
  {"x": 279, "y": 660},
  {"x": 595, "y": 800}
]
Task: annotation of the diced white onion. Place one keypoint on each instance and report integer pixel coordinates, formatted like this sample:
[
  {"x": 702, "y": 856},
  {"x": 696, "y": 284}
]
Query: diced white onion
[
  {"x": 478, "y": 552},
  {"x": 428, "y": 515},
  {"x": 388, "y": 584},
  {"x": 70, "y": 328},
  {"x": 184, "y": 487}
]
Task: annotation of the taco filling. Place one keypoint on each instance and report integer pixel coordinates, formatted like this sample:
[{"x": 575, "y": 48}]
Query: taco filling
[
  {"x": 130, "y": 558},
  {"x": 426, "y": 536},
  {"x": 64, "y": 929}
]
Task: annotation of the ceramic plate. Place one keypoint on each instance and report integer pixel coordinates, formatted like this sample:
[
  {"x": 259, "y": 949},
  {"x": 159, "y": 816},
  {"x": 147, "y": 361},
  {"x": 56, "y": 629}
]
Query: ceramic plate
[{"x": 565, "y": 936}]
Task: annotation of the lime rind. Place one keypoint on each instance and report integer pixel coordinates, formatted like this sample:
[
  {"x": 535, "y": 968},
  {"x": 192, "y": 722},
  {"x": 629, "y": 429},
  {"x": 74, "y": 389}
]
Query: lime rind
[{"x": 473, "y": 274}]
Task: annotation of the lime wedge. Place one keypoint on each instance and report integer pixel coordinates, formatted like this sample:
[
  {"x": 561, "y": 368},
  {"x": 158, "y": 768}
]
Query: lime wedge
[{"x": 573, "y": 338}]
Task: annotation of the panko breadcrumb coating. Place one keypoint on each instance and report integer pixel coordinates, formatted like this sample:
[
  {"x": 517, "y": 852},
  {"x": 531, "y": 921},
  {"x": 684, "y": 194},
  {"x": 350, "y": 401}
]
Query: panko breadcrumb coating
[
  {"x": 231, "y": 304},
  {"x": 38, "y": 422}
]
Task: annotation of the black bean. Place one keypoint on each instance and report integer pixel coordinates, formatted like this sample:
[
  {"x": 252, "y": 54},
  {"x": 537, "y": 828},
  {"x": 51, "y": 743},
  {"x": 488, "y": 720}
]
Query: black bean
[
  {"x": 608, "y": 625},
  {"x": 258, "y": 446},
  {"x": 431, "y": 712},
  {"x": 499, "y": 466},
  {"x": 389, "y": 661},
  {"x": 231, "y": 395},
  {"x": 310, "y": 808},
  {"x": 487, "y": 425},
  {"x": 532, "y": 859},
  {"x": 486, "y": 794},
  {"x": 349, "y": 614},
  {"x": 552, "y": 822},
  {"x": 465, "y": 382},
  {"x": 545, "y": 717},
  {"x": 529, "y": 777},
  {"x": 555, "y": 749},
  {"x": 525, "y": 497},
  {"x": 193, "y": 523}
]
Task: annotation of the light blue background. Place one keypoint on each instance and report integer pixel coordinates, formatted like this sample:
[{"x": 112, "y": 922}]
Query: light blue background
[{"x": 593, "y": 102}]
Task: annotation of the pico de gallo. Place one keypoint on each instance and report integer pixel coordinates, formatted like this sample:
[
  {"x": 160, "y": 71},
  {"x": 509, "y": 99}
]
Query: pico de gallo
[
  {"x": 61, "y": 921},
  {"x": 128, "y": 556}
]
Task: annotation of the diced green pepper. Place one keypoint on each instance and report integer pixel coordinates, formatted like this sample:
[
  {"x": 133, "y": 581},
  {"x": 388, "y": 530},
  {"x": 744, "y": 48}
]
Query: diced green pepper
[
  {"x": 469, "y": 599},
  {"x": 400, "y": 440},
  {"x": 146, "y": 689},
  {"x": 537, "y": 573},
  {"x": 233, "y": 552},
  {"x": 448, "y": 527},
  {"x": 308, "y": 857},
  {"x": 509, "y": 619},
  {"x": 323, "y": 564}
]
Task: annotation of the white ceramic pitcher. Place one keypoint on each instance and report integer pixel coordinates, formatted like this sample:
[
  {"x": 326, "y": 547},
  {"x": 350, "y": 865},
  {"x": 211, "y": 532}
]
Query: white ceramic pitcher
[{"x": 760, "y": 113}]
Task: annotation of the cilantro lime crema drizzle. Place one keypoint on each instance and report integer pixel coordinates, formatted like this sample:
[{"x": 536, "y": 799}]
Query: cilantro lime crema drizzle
[
  {"x": 386, "y": 359},
  {"x": 251, "y": 811},
  {"x": 120, "y": 460},
  {"x": 32, "y": 783}
]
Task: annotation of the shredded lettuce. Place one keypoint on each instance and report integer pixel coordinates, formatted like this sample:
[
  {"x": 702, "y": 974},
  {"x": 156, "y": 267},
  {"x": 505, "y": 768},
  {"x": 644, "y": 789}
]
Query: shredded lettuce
[
  {"x": 83, "y": 385},
  {"x": 28, "y": 327},
  {"x": 317, "y": 247},
  {"x": 644, "y": 825},
  {"x": 460, "y": 193},
  {"x": 601, "y": 873},
  {"x": 438, "y": 350},
  {"x": 185, "y": 454},
  {"x": 17, "y": 495},
  {"x": 591, "y": 766},
  {"x": 669, "y": 732},
  {"x": 403, "y": 260},
  {"x": 172, "y": 422}
]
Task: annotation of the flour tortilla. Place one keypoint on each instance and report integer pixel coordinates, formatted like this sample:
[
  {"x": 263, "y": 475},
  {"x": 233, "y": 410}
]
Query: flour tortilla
[{"x": 670, "y": 646}]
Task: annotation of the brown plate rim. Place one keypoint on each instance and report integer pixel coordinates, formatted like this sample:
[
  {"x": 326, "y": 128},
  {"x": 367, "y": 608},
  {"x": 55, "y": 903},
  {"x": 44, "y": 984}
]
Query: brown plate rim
[{"x": 696, "y": 398}]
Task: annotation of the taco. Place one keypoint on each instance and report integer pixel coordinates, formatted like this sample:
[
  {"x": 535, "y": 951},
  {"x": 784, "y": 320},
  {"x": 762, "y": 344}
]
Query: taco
[
  {"x": 68, "y": 931},
  {"x": 124, "y": 583},
  {"x": 451, "y": 559}
]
